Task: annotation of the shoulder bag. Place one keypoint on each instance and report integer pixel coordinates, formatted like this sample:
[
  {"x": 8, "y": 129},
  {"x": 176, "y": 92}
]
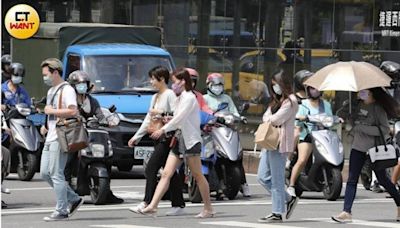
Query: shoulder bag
[
  {"x": 156, "y": 121},
  {"x": 71, "y": 132}
]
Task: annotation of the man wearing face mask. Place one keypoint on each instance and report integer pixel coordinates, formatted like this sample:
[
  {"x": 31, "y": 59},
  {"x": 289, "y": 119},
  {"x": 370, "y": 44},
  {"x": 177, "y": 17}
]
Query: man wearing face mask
[
  {"x": 88, "y": 107},
  {"x": 215, "y": 96},
  {"x": 311, "y": 106},
  {"x": 12, "y": 90}
]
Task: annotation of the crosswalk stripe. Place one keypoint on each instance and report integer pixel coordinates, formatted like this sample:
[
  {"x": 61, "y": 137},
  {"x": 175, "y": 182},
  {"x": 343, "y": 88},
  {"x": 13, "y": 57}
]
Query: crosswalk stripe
[
  {"x": 357, "y": 222},
  {"x": 247, "y": 224},
  {"x": 124, "y": 226}
]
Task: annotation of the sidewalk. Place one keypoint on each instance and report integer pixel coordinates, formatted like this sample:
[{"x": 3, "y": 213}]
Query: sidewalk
[{"x": 251, "y": 159}]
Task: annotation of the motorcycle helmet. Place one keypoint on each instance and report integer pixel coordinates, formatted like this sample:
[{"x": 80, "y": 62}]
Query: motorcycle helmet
[
  {"x": 391, "y": 68},
  {"x": 17, "y": 71},
  {"x": 80, "y": 80},
  {"x": 5, "y": 61},
  {"x": 215, "y": 83},
  {"x": 194, "y": 75},
  {"x": 299, "y": 79}
]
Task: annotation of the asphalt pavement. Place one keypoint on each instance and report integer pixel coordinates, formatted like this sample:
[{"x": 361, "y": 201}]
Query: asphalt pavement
[{"x": 30, "y": 201}]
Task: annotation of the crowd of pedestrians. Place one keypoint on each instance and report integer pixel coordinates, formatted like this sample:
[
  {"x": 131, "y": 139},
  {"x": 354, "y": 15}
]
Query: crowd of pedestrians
[{"x": 180, "y": 140}]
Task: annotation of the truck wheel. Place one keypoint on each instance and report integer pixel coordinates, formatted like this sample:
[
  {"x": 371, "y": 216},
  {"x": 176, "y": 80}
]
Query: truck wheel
[
  {"x": 233, "y": 181},
  {"x": 26, "y": 168},
  {"x": 332, "y": 191},
  {"x": 99, "y": 189},
  {"x": 125, "y": 167},
  {"x": 193, "y": 190}
]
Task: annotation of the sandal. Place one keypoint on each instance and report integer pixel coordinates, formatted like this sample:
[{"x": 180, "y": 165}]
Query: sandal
[
  {"x": 205, "y": 214},
  {"x": 152, "y": 213}
]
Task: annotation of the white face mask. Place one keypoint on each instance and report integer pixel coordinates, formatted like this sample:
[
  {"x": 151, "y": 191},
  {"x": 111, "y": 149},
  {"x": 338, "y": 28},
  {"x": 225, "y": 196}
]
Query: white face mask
[
  {"x": 277, "y": 89},
  {"x": 16, "y": 79},
  {"x": 217, "y": 89}
]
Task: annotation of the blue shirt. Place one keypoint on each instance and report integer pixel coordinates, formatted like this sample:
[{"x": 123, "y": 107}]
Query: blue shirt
[
  {"x": 306, "y": 109},
  {"x": 10, "y": 98}
]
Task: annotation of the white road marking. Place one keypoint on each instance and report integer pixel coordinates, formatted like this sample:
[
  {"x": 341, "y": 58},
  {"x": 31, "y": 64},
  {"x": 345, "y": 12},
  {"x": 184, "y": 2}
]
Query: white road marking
[
  {"x": 167, "y": 204},
  {"x": 247, "y": 224},
  {"x": 124, "y": 226},
  {"x": 49, "y": 188},
  {"x": 357, "y": 222}
]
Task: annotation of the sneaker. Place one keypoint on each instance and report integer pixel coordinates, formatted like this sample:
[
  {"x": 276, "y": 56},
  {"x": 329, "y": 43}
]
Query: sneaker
[
  {"x": 74, "y": 207},
  {"x": 291, "y": 191},
  {"x": 3, "y": 205},
  {"x": 245, "y": 190},
  {"x": 175, "y": 211},
  {"x": 376, "y": 188},
  {"x": 291, "y": 205},
  {"x": 343, "y": 217},
  {"x": 272, "y": 218},
  {"x": 138, "y": 208},
  {"x": 55, "y": 216},
  {"x": 5, "y": 190}
]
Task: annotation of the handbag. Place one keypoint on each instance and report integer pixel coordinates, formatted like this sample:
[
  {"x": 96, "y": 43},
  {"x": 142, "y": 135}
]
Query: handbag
[
  {"x": 156, "y": 121},
  {"x": 382, "y": 156},
  {"x": 267, "y": 136},
  {"x": 71, "y": 132}
]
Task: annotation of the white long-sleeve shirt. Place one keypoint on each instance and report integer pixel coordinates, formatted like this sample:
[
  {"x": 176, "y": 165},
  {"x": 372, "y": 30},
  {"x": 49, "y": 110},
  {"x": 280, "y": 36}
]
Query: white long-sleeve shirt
[{"x": 187, "y": 119}]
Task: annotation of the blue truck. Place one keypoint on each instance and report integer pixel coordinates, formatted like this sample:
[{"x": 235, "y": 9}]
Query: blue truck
[{"x": 117, "y": 58}]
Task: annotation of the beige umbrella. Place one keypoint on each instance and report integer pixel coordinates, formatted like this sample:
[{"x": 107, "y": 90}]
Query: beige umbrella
[{"x": 348, "y": 76}]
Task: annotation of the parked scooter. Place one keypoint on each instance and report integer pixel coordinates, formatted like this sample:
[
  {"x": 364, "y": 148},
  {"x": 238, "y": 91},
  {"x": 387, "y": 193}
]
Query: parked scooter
[
  {"x": 91, "y": 174},
  {"x": 322, "y": 172},
  {"x": 25, "y": 141},
  {"x": 221, "y": 156}
]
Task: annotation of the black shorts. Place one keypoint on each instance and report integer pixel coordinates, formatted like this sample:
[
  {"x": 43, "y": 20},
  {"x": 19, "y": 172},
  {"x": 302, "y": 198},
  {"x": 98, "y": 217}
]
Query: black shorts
[
  {"x": 194, "y": 151},
  {"x": 307, "y": 139}
]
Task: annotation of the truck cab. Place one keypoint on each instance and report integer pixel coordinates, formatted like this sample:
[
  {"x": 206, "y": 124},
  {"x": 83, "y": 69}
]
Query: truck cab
[{"x": 119, "y": 73}]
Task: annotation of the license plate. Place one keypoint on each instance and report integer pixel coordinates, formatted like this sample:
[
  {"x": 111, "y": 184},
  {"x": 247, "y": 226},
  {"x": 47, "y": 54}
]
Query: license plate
[{"x": 142, "y": 152}]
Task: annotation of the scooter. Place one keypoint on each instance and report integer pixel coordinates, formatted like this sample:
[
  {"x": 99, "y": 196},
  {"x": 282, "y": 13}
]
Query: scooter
[
  {"x": 322, "y": 172},
  {"x": 25, "y": 141},
  {"x": 221, "y": 156},
  {"x": 91, "y": 174}
]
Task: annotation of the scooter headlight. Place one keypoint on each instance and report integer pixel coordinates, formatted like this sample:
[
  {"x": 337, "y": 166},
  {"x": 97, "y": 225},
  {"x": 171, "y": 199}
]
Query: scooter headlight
[
  {"x": 328, "y": 121},
  {"x": 229, "y": 119},
  {"x": 320, "y": 147},
  {"x": 98, "y": 150}
]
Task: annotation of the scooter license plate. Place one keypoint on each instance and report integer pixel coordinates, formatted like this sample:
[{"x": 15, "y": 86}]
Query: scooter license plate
[{"x": 142, "y": 152}]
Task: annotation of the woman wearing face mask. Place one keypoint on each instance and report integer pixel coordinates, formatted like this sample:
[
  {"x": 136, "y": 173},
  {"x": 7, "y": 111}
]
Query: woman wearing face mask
[
  {"x": 312, "y": 106},
  {"x": 215, "y": 94},
  {"x": 214, "y": 97},
  {"x": 88, "y": 107},
  {"x": 186, "y": 119},
  {"x": 162, "y": 102},
  {"x": 12, "y": 90},
  {"x": 373, "y": 111},
  {"x": 281, "y": 113}
]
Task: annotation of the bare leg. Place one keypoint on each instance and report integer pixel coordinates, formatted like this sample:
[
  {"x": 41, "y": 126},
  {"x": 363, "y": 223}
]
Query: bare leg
[
  {"x": 194, "y": 164},
  {"x": 396, "y": 174},
  {"x": 170, "y": 168},
  {"x": 304, "y": 152}
]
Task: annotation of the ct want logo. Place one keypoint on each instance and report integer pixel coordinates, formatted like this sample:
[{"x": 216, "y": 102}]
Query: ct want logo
[{"x": 22, "y": 21}]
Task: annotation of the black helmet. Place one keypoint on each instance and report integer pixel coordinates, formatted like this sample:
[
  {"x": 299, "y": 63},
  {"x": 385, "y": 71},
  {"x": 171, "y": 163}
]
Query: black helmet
[
  {"x": 391, "y": 68},
  {"x": 17, "y": 69},
  {"x": 5, "y": 60},
  {"x": 77, "y": 77},
  {"x": 299, "y": 79}
]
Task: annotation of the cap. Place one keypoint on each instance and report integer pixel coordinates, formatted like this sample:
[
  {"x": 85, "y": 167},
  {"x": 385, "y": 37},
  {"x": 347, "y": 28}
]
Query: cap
[{"x": 53, "y": 63}]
